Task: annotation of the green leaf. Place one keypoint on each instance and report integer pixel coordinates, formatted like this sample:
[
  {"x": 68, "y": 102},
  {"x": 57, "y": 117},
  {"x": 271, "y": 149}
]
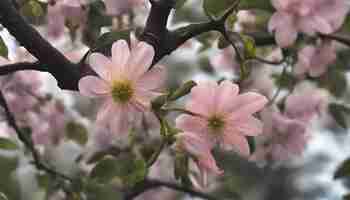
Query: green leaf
[
  {"x": 182, "y": 91},
  {"x": 104, "y": 42},
  {"x": 181, "y": 168},
  {"x": 95, "y": 191},
  {"x": 335, "y": 81},
  {"x": 129, "y": 169},
  {"x": 6, "y": 144},
  {"x": 338, "y": 112},
  {"x": 343, "y": 170},
  {"x": 252, "y": 144},
  {"x": 33, "y": 9},
  {"x": 249, "y": 47},
  {"x": 256, "y": 4},
  {"x": 3, "y": 48},
  {"x": 216, "y": 8},
  {"x": 223, "y": 43},
  {"x": 105, "y": 170},
  {"x": 77, "y": 132},
  {"x": 287, "y": 80}
]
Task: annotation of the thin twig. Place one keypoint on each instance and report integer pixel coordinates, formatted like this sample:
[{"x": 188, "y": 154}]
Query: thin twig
[
  {"x": 149, "y": 184},
  {"x": 28, "y": 142},
  {"x": 275, "y": 96}
]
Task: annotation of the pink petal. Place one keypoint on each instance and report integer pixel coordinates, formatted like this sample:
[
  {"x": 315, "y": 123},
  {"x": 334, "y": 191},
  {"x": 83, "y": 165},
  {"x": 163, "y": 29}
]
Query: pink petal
[
  {"x": 236, "y": 142},
  {"x": 101, "y": 65},
  {"x": 247, "y": 104},
  {"x": 120, "y": 55},
  {"x": 120, "y": 121},
  {"x": 304, "y": 60},
  {"x": 226, "y": 94},
  {"x": 208, "y": 163},
  {"x": 249, "y": 126},
  {"x": 93, "y": 86},
  {"x": 190, "y": 123},
  {"x": 153, "y": 79},
  {"x": 322, "y": 25},
  {"x": 203, "y": 98},
  {"x": 276, "y": 21},
  {"x": 194, "y": 144},
  {"x": 286, "y": 36},
  {"x": 140, "y": 60},
  {"x": 106, "y": 111}
]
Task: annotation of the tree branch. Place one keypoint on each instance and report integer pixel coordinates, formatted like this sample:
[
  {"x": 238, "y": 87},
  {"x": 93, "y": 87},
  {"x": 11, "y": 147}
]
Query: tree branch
[
  {"x": 11, "y": 68},
  {"x": 66, "y": 73},
  {"x": 27, "y": 141},
  {"x": 149, "y": 184}
]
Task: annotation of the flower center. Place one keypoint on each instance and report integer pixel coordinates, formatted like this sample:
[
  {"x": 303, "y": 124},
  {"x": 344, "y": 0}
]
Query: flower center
[
  {"x": 216, "y": 124},
  {"x": 122, "y": 91}
]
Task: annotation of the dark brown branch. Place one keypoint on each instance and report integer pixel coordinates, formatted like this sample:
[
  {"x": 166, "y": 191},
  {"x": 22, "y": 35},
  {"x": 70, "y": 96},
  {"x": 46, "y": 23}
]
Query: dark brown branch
[
  {"x": 11, "y": 68},
  {"x": 149, "y": 184},
  {"x": 66, "y": 73},
  {"x": 337, "y": 37}
]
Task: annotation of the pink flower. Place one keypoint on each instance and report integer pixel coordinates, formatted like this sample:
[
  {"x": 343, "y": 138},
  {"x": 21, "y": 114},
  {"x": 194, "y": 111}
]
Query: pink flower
[
  {"x": 306, "y": 16},
  {"x": 286, "y": 137},
  {"x": 314, "y": 60},
  {"x": 58, "y": 11},
  {"x": 222, "y": 115},
  {"x": 200, "y": 150},
  {"x": 225, "y": 60},
  {"x": 305, "y": 103},
  {"x": 118, "y": 7},
  {"x": 124, "y": 83}
]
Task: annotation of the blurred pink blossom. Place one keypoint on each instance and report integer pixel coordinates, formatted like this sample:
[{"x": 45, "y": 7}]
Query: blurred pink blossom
[
  {"x": 284, "y": 137},
  {"x": 306, "y": 16},
  {"x": 303, "y": 104},
  {"x": 315, "y": 60},
  {"x": 225, "y": 60},
  {"x": 118, "y": 7},
  {"x": 124, "y": 83},
  {"x": 58, "y": 11},
  {"x": 223, "y": 116}
]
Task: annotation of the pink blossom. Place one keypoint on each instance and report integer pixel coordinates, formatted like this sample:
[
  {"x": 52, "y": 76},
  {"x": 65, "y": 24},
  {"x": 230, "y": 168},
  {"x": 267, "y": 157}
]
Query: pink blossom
[
  {"x": 200, "y": 150},
  {"x": 225, "y": 60},
  {"x": 58, "y": 11},
  {"x": 304, "y": 104},
  {"x": 119, "y": 7},
  {"x": 306, "y": 16},
  {"x": 314, "y": 60},
  {"x": 285, "y": 137},
  {"x": 124, "y": 83},
  {"x": 223, "y": 116}
]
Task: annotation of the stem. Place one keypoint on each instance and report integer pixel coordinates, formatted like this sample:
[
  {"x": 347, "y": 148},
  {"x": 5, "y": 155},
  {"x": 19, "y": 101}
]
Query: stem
[
  {"x": 149, "y": 184},
  {"x": 28, "y": 142},
  {"x": 11, "y": 68}
]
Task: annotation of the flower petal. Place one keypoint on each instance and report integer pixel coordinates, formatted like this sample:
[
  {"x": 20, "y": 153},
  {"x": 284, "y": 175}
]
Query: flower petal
[
  {"x": 120, "y": 55},
  {"x": 153, "y": 79},
  {"x": 93, "y": 86},
  {"x": 120, "y": 121},
  {"x": 226, "y": 94},
  {"x": 249, "y": 126},
  {"x": 203, "y": 98},
  {"x": 236, "y": 142},
  {"x": 140, "y": 60},
  {"x": 101, "y": 65},
  {"x": 105, "y": 111},
  {"x": 190, "y": 123},
  {"x": 247, "y": 104}
]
